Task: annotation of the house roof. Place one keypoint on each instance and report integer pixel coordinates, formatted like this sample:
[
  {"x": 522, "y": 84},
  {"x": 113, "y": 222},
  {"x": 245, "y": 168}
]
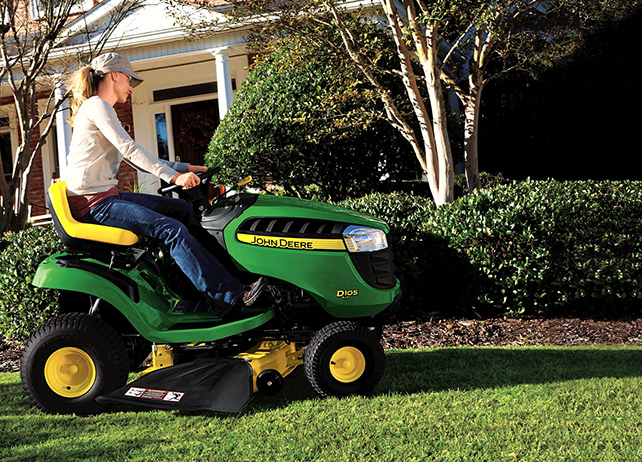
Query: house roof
[{"x": 155, "y": 24}]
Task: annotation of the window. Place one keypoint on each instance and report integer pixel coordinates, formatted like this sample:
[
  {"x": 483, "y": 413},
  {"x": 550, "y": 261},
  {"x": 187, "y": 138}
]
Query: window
[
  {"x": 162, "y": 141},
  {"x": 55, "y": 160},
  {"x": 161, "y": 136},
  {"x": 7, "y": 154}
]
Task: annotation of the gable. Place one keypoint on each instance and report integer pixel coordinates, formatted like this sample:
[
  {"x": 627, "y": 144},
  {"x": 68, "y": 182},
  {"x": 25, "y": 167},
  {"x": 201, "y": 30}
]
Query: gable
[{"x": 154, "y": 22}]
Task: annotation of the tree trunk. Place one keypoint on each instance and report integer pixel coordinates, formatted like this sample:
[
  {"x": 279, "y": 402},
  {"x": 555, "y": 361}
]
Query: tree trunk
[
  {"x": 14, "y": 217},
  {"x": 7, "y": 211},
  {"x": 22, "y": 207},
  {"x": 10, "y": 218},
  {"x": 472, "y": 107},
  {"x": 439, "y": 121},
  {"x": 15, "y": 205},
  {"x": 444, "y": 155}
]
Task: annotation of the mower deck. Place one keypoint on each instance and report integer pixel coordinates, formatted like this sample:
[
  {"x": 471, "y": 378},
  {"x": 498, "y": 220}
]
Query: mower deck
[{"x": 221, "y": 384}]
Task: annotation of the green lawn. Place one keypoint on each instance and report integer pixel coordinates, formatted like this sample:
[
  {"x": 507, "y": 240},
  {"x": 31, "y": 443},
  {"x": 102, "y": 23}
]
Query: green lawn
[{"x": 486, "y": 404}]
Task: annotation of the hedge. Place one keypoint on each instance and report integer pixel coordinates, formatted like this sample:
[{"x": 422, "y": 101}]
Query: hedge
[
  {"x": 24, "y": 307},
  {"x": 533, "y": 248}
]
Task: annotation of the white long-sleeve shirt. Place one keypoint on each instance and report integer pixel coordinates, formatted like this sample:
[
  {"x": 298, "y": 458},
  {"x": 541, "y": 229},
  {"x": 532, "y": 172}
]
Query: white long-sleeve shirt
[{"x": 98, "y": 145}]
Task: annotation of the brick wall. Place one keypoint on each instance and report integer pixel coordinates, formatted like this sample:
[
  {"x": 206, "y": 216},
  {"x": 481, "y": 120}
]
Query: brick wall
[
  {"x": 127, "y": 175},
  {"x": 37, "y": 184}
]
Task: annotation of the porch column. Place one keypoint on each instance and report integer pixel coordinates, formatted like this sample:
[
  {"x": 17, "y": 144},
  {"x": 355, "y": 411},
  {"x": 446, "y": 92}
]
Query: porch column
[
  {"x": 223, "y": 80},
  {"x": 63, "y": 129}
]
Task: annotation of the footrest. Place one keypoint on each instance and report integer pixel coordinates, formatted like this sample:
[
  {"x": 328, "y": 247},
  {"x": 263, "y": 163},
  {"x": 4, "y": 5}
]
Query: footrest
[
  {"x": 192, "y": 306},
  {"x": 221, "y": 384}
]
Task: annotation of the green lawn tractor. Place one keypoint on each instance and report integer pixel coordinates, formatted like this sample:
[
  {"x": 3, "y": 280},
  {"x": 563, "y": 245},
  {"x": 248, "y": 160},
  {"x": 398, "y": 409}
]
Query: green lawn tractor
[{"x": 330, "y": 276}]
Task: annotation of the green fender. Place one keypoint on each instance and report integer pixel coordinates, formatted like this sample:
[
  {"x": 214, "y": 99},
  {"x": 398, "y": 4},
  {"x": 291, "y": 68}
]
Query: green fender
[
  {"x": 51, "y": 276},
  {"x": 152, "y": 314}
]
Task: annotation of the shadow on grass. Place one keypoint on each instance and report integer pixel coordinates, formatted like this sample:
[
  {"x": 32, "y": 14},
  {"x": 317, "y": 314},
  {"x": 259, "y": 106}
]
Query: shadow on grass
[
  {"x": 473, "y": 368},
  {"x": 437, "y": 370}
]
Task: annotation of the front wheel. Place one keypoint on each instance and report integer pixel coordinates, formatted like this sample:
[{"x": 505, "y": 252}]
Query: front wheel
[
  {"x": 344, "y": 358},
  {"x": 70, "y": 361}
]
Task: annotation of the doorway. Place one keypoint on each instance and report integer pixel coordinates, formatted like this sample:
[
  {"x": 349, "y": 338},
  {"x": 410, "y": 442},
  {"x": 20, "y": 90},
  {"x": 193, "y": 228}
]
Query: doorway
[{"x": 193, "y": 125}]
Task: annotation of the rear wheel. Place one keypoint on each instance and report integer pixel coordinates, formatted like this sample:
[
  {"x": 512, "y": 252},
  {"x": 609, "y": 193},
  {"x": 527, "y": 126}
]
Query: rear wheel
[
  {"x": 344, "y": 358},
  {"x": 70, "y": 361}
]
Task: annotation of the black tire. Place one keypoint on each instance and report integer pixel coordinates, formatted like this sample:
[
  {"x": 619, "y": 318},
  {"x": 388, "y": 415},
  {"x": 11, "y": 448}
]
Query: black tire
[
  {"x": 67, "y": 349},
  {"x": 354, "y": 339}
]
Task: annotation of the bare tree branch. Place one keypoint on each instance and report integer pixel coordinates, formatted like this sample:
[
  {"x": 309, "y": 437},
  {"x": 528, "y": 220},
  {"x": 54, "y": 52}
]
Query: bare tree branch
[{"x": 25, "y": 49}]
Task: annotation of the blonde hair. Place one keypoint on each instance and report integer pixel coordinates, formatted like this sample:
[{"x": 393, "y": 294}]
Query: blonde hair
[{"x": 83, "y": 84}]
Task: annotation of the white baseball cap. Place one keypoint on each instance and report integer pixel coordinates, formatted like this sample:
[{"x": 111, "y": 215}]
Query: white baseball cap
[{"x": 113, "y": 62}]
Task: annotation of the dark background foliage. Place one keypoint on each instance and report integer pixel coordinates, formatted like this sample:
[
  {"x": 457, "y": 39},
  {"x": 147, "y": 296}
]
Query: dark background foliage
[{"x": 579, "y": 120}]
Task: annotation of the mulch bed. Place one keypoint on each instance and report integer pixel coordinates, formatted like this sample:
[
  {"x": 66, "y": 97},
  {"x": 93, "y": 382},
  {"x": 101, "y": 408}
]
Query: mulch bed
[
  {"x": 9, "y": 356},
  {"x": 449, "y": 332},
  {"x": 506, "y": 332}
]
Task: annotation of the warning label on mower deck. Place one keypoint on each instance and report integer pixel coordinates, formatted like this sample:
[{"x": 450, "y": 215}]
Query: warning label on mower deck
[{"x": 159, "y": 395}]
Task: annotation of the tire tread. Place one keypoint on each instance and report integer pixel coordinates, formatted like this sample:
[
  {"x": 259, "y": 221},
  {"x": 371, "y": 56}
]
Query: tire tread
[{"x": 348, "y": 330}]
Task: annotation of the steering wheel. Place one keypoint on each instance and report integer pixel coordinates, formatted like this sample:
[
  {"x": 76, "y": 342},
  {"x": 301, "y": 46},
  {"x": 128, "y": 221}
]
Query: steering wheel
[{"x": 204, "y": 176}]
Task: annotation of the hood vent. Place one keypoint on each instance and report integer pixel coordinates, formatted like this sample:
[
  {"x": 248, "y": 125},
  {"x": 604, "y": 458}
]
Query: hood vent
[{"x": 292, "y": 227}]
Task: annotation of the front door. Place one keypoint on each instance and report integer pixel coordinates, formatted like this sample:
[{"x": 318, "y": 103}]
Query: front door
[{"x": 193, "y": 125}]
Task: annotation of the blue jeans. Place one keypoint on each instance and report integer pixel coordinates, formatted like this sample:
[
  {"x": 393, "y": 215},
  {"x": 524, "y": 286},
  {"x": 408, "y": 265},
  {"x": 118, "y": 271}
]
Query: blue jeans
[{"x": 165, "y": 219}]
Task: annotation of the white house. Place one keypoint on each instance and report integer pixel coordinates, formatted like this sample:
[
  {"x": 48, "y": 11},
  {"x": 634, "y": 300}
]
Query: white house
[{"x": 189, "y": 83}]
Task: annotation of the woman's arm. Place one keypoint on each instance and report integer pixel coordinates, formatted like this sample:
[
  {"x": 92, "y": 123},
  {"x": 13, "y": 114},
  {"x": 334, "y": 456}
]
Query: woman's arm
[{"x": 105, "y": 118}]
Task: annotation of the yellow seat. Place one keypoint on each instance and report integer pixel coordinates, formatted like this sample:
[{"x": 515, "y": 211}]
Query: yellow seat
[{"x": 69, "y": 227}]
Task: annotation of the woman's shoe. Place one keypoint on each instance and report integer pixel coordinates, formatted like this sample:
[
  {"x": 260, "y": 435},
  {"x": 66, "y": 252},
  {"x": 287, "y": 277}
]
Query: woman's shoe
[{"x": 255, "y": 289}]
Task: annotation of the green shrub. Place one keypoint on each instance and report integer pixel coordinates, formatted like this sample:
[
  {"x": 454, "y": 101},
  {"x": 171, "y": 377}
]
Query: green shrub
[
  {"x": 531, "y": 248},
  {"x": 534, "y": 248},
  {"x": 304, "y": 117},
  {"x": 425, "y": 264},
  {"x": 552, "y": 248},
  {"x": 24, "y": 307}
]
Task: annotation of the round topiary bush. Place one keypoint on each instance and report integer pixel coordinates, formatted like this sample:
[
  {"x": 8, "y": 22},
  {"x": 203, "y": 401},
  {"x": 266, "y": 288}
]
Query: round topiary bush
[
  {"x": 551, "y": 248},
  {"x": 306, "y": 121}
]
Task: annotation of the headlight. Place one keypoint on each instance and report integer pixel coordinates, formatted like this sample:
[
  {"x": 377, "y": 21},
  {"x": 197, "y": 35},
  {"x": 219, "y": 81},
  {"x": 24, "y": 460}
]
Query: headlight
[{"x": 364, "y": 239}]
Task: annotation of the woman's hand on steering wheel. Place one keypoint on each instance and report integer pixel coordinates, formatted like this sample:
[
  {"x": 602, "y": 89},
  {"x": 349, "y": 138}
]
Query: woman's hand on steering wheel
[
  {"x": 186, "y": 180},
  {"x": 203, "y": 175}
]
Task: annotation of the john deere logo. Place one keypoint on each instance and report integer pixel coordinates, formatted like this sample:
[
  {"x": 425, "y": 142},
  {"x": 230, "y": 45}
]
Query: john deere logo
[
  {"x": 292, "y": 243},
  {"x": 347, "y": 293}
]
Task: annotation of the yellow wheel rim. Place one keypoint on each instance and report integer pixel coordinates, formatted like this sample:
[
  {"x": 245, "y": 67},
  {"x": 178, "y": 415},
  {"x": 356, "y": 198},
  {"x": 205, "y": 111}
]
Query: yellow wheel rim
[
  {"x": 70, "y": 372},
  {"x": 347, "y": 364}
]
